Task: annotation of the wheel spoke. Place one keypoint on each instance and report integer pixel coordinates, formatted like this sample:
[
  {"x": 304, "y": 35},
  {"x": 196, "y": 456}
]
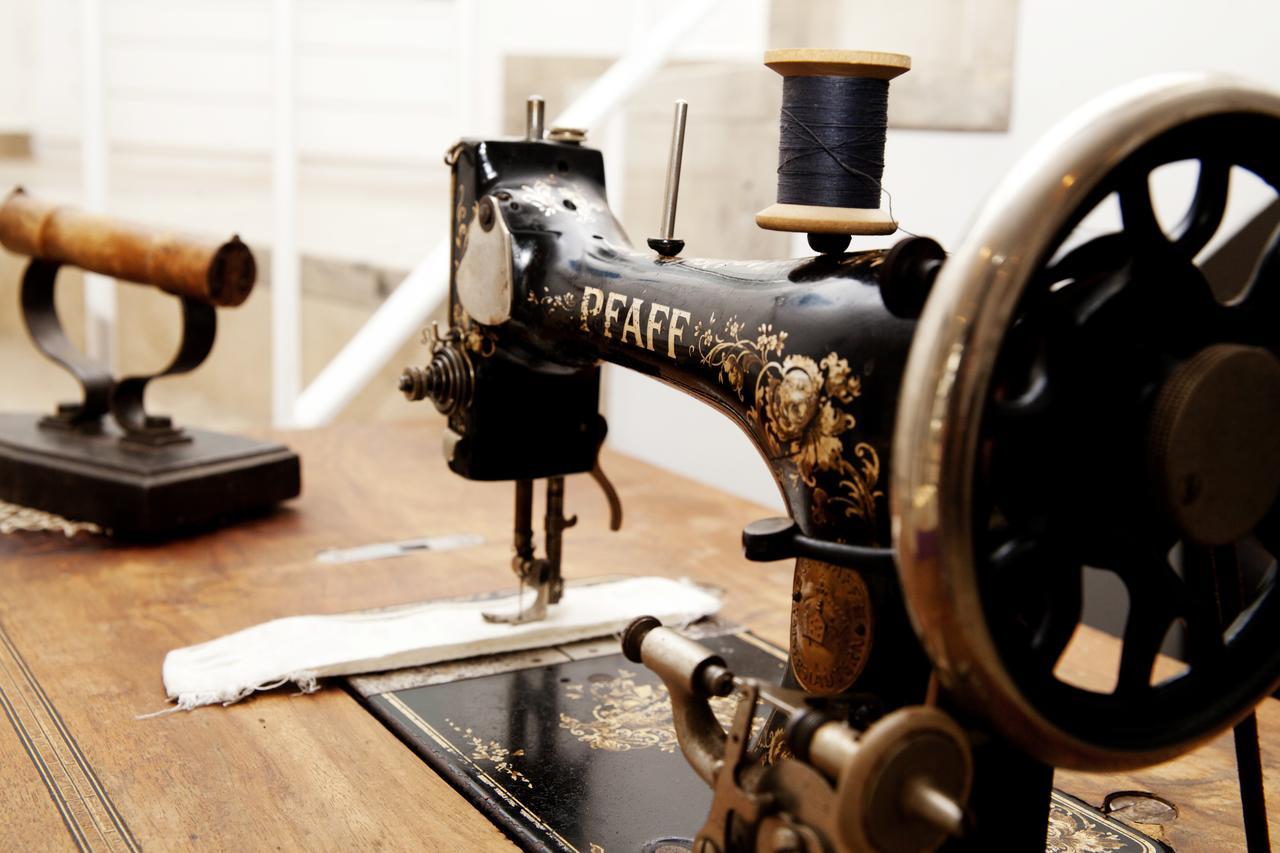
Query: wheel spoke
[
  {"x": 1033, "y": 401},
  {"x": 1261, "y": 297},
  {"x": 1138, "y": 213},
  {"x": 1157, "y": 596},
  {"x": 1065, "y": 610},
  {"x": 1144, "y": 633},
  {"x": 1010, "y": 556},
  {"x": 1207, "y": 207},
  {"x": 1268, "y": 531},
  {"x": 1235, "y": 260},
  {"x": 1203, "y": 612},
  {"x": 1230, "y": 583},
  {"x": 1101, "y": 254},
  {"x": 1040, "y": 593}
]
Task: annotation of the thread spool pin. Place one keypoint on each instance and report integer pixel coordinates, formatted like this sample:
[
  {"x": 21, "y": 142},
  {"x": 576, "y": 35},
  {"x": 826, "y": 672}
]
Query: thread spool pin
[
  {"x": 666, "y": 244},
  {"x": 534, "y": 111}
]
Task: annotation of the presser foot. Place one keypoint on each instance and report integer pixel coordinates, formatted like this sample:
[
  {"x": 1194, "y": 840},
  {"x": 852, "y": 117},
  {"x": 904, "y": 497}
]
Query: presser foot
[{"x": 535, "y": 613}]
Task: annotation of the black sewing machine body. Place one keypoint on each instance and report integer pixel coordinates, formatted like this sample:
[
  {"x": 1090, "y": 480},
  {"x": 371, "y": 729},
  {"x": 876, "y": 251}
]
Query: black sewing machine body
[{"x": 802, "y": 354}]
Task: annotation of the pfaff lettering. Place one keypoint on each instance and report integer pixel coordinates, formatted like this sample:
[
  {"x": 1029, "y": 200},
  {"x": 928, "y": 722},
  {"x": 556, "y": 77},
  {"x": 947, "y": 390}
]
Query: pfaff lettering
[{"x": 643, "y": 324}]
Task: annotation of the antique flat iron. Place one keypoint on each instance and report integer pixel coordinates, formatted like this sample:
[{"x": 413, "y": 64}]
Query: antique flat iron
[
  {"x": 104, "y": 459},
  {"x": 956, "y": 438}
]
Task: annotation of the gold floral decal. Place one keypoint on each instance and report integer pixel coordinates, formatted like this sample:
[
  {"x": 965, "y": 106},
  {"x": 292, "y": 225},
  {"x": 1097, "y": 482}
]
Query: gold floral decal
[
  {"x": 566, "y": 302},
  {"x": 463, "y": 217},
  {"x": 550, "y": 197},
  {"x": 627, "y": 715},
  {"x": 777, "y": 749},
  {"x": 801, "y": 406},
  {"x": 475, "y": 337},
  {"x": 493, "y": 753},
  {"x": 1071, "y": 833}
]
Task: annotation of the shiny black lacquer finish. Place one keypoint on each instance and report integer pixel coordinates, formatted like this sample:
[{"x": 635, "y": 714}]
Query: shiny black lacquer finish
[{"x": 802, "y": 354}]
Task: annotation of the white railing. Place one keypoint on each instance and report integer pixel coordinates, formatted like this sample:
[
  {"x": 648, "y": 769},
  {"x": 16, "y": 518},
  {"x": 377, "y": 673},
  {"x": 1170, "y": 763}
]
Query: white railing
[
  {"x": 99, "y": 290},
  {"x": 286, "y": 281},
  {"x": 405, "y": 311}
]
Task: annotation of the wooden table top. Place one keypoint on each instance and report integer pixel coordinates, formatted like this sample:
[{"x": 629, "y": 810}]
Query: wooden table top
[{"x": 85, "y": 624}]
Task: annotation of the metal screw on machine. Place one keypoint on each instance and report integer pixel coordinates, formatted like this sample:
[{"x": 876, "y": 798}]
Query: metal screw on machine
[
  {"x": 534, "y": 111},
  {"x": 666, "y": 245}
]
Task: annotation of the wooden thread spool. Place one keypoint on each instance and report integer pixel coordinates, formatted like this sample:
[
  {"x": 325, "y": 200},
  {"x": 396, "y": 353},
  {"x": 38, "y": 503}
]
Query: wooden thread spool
[{"x": 820, "y": 218}]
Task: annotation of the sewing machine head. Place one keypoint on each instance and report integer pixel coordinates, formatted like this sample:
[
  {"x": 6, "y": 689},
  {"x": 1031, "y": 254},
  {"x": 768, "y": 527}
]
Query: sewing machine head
[{"x": 1003, "y": 418}]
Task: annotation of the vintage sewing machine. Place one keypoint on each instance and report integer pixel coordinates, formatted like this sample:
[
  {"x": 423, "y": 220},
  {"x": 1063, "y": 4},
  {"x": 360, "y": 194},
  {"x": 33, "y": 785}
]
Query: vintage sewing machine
[{"x": 956, "y": 437}]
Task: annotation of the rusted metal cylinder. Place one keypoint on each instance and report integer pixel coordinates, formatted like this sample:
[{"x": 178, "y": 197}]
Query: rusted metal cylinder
[{"x": 216, "y": 273}]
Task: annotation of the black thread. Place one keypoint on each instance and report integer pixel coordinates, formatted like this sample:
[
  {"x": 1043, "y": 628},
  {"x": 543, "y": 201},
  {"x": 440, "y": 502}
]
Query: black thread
[{"x": 831, "y": 141}]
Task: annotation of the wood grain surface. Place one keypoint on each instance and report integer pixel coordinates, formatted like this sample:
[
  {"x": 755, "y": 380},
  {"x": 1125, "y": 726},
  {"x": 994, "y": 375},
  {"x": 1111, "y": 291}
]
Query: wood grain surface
[{"x": 86, "y": 622}]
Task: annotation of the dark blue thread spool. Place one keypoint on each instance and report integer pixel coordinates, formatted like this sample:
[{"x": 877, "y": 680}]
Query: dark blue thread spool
[
  {"x": 831, "y": 144},
  {"x": 831, "y": 141}
]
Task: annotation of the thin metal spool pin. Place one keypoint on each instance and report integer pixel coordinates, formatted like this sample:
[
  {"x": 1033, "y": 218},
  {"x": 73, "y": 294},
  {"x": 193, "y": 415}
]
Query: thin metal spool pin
[
  {"x": 671, "y": 192},
  {"x": 535, "y": 110}
]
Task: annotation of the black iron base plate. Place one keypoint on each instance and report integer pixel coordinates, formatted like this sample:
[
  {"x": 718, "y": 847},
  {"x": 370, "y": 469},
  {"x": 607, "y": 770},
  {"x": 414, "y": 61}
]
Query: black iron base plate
[
  {"x": 571, "y": 749},
  {"x": 137, "y": 491}
]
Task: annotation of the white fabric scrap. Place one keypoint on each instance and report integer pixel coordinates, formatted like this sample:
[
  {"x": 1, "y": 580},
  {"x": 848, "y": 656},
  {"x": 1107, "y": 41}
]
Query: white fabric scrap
[{"x": 301, "y": 649}]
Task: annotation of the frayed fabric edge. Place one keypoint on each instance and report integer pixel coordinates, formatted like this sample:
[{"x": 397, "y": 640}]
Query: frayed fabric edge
[{"x": 307, "y": 681}]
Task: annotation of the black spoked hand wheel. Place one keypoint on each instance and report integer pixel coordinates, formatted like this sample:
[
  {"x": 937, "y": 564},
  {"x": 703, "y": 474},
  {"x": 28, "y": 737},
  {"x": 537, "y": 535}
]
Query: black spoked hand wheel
[{"x": 1101, "y": 404}]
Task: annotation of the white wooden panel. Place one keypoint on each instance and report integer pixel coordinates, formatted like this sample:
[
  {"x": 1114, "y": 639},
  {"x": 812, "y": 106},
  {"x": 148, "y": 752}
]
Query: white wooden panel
[
  {"x": 15, "y": 66},
  {"x": 219, "y": 72},
  {"x": 168, "y": 21},
  {"x": 737, "y": 29},
  {"x": 55, "y": 99},
  {"x": 229, "y": 127},
  {"x": 421, "y": 80},
  {"x": 376, "y": 80},
  {"x": 386, "y": 25},
  {"x": 403, "y": 135}
]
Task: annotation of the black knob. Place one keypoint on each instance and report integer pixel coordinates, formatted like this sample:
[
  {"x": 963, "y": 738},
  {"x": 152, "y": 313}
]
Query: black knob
[
  {"x": 828, "y": 244},
  {"x": 907, "y": 275},
  {"x": 770, "y": 539}
]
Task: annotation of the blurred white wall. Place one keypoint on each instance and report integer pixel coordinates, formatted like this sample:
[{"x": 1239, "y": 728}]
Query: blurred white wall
[{"x": 15, "y": 55}]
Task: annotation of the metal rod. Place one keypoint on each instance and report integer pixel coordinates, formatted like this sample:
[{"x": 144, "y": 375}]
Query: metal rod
[
  {"x": 1253, "y": 800},
  {"x": 554, "y": 524},
  {"x": 927, "y": 802},
  {"x": 672, "y": 192},
  {"x": 524, "y": 520},
  {"x": 1229, "y": 583},
  {"x": 534, "y": 113},
  {"x": 286, "y": 286},
  {"x": 99, "y": 291}
]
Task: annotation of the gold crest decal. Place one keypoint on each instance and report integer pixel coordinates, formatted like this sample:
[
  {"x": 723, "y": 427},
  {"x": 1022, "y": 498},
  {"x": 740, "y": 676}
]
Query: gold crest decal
[
  {"x": 627, "y": 714},
  {"x": 831, "y": 626}
]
